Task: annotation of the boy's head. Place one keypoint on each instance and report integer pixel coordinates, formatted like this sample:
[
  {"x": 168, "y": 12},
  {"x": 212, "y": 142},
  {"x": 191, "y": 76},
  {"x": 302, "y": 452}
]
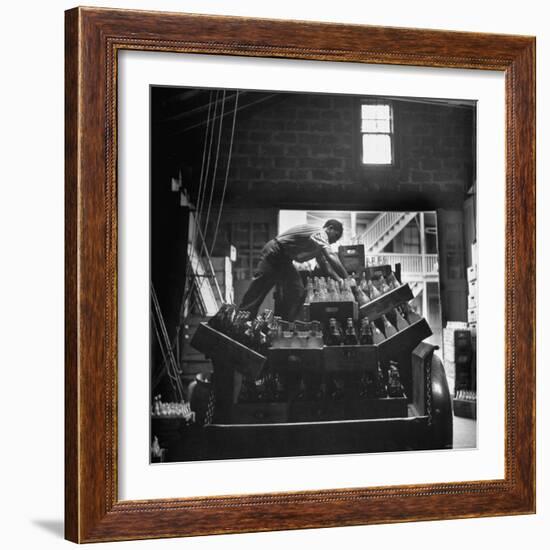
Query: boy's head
[{"x": 334, "y": 230}]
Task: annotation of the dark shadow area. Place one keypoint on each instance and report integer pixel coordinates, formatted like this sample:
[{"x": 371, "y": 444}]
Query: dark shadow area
[{"x": 54, "y": 526}]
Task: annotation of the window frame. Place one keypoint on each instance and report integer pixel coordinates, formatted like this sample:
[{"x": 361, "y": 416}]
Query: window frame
[{"x": 358, "y": 133}]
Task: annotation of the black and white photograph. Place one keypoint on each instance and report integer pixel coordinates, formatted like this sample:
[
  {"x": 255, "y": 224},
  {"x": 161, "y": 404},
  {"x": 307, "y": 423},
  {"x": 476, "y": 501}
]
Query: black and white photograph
[
  {"x": 275, "y": 274},
  {"x": 313, "y": 274}
]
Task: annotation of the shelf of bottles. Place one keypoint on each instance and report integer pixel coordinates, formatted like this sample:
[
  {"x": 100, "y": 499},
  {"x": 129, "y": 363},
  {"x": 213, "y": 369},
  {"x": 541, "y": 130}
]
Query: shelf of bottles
[{"x": 341, "y": 363}]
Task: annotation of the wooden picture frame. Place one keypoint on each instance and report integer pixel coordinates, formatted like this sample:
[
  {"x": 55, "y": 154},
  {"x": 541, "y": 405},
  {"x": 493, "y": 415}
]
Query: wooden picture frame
[{"x": 93, "y": 511}]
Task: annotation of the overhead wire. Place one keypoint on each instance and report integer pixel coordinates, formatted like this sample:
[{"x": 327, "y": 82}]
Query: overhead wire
[
  {"x": 213, "y": 186},
  {"x": 201, "y": 179},
  {"x": 208, "y": 138},
  {"x": 166, "y": 341},
  {"x": 198, "y": 214},
  {"x": 235, "y": 108},
  {"x": 165, "y": 360}
]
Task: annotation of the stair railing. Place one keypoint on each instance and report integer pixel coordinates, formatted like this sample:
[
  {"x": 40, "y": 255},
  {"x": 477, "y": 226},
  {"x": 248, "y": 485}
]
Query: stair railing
[{"x": 379, "y": 227}]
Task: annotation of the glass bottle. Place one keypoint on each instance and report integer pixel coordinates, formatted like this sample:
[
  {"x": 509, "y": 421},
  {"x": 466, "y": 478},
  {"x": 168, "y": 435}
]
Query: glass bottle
[
  {"x": 400, "y": 322},
  {"x": 332, "y": 293},
  {"x": 389, "y": 329},
  {"x": 380, "y": 384},
  {"x": 410, "y": 314},
  {"x": 395, "y": 388},
  {"x": 365, "y": 335},
  {"x": 322, "y": 295},
  {"x": 383, "y": 286},
  {"x": 377, "y": 335},
  {"x": 348, "y": 294},
  {"x": 363, "y": 285},
  {"x": 310, "y": 295},
  {"x": 350, "y": 336},
  {"x": 373, "y": 291},
  {"x": 334, "y": 336},
  {"x": 360, "y": 296},
  {"x": 392, "y": 281}
]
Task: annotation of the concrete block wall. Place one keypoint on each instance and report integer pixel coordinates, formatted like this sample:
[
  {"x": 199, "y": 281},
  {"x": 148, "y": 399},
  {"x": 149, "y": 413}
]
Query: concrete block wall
[{"x": 301, "y": 148}]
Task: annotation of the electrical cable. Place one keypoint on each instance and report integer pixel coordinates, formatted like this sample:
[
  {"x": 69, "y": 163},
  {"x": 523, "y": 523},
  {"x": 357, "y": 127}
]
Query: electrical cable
[
  {"x": 164, "y": 357},
  {"x": 198, "y": 215},
  {"x": 202, "y": 190},
  {"x": 235, "y": 108},
  {"x": 164, "y": 333},
  {"x": 213, "y": 186},
  {"x": 201, "y": 180}
]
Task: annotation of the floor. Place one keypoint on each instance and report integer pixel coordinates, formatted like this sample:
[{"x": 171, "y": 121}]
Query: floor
[{"x": 464, "y": 433}]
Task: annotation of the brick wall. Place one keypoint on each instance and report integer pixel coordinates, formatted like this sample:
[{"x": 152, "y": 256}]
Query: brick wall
[{"x": 304, "y": 150}]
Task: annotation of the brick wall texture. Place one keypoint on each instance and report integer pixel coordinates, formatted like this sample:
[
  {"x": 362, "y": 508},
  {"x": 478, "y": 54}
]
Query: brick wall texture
[{"x": 300, "y": 148}]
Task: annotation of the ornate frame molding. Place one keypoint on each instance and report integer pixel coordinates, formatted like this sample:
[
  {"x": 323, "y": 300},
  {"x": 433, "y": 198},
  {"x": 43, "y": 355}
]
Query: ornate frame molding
[{"x": 93, "y": 38}]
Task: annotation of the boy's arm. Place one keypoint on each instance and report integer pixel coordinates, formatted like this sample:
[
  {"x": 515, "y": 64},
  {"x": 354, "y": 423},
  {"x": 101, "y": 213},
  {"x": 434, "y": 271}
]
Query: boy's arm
[{"x": 330, "y": 262}]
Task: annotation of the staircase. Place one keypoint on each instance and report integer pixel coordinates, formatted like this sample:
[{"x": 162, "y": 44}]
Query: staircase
[{"x": 383, "y": 229}]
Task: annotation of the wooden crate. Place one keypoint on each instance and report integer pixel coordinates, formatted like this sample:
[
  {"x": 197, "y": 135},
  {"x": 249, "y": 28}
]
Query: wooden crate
[
  {"x": 341, "y": 311},
  {"x": 404, "y": 341},
  {"x": 375, "y": 271},
  {"x": 226, "y": 352},
  {"x": 297, "y": 342},
  {"x": 386, "y": 303},
  {"x": 465, "y": 408},
  {"x": 352, "y": 258},
  {"x": 295, "y": 359},
  {"x": 350, "y": 358}
]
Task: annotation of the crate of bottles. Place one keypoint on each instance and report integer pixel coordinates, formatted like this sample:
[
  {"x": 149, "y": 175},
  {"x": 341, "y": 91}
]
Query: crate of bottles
[
  {"x": 258, "y": 401},
  {"x": 352, "y": 358},
  {"x": 295, "y": 345},
  {"x": 324, "y": 311},
  {"x": 295, "y": 359},
  {"x": 404, "y": 340},
  {"x": 326, "y": 298},
  {"x": 386, "y": 302},
  {"x": 349, "y": 395},
  {"x": 225, "y": 351},
  {"x": 376, "y": 271},
  {"x": 352, "y": 257},
  {"x": 296, "y": 335},
  {"x": 464, "y": 404}
]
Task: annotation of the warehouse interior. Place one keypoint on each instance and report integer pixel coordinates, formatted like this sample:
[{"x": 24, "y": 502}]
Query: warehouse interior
[{"x": 231, "y": 169}]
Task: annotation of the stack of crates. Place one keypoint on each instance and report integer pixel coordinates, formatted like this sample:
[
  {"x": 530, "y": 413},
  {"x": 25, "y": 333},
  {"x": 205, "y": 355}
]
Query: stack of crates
[
  {"x": 472, "y": 292},
  {"x": 449, "y": 348},
  {"x": 460, "y": 367}
]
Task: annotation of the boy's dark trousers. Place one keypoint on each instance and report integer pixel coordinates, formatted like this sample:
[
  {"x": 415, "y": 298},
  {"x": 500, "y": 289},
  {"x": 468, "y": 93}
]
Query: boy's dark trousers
[{"x": 275, "y": 268}]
